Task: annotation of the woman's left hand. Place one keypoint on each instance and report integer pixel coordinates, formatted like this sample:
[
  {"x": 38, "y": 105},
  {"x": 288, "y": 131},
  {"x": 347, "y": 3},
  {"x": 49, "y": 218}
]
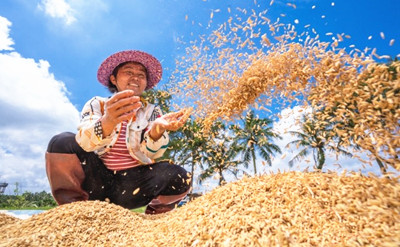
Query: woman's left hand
[{"x": 171, "y": 121}]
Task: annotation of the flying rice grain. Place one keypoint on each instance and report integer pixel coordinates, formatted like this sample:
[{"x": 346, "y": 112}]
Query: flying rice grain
[
  {"x": 136, "y": 191},
  {"x": 344, "y": 66}
]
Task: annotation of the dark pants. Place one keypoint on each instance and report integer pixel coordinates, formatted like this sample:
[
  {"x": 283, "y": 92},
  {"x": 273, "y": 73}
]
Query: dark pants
[{"x": 131, "y": 188}]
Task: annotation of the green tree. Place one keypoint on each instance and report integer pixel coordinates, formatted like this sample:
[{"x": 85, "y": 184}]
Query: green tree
[
  {"x": 367, "y": 119},
  {"x": 316, "y": 138},
  {"x": 220, "y": 158},
  {"x": 219, "y": 154},
  {"x": 255, "y": 135},
  {"x": 162, "y": 98},
  {"x": 17, "y": 189},
  {"x": 190, "y": 145},
  {"x": 27, "y": 200}
]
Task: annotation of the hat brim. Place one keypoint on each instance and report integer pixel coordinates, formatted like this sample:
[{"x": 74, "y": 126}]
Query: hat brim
[{"x": 152, "y": 65}]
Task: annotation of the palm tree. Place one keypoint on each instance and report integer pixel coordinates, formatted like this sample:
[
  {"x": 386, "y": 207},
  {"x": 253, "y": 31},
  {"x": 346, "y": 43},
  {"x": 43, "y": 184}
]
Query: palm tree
[
  {"x": 190, "y": 145},
  {"x": 345, "y": 115},
  {"x": 315, "y": 138},
  {"x": 256, "y": 135},
  {"x": 219, "y": 154}
]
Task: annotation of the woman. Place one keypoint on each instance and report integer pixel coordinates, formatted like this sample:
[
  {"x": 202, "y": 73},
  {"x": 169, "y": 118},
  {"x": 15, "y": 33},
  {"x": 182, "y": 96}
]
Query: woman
[{"x": 112, "y": 157}]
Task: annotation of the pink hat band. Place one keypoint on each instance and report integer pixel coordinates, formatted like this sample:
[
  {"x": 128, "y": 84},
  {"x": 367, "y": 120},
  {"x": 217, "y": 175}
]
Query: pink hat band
[{"x": 152, "y": 65}]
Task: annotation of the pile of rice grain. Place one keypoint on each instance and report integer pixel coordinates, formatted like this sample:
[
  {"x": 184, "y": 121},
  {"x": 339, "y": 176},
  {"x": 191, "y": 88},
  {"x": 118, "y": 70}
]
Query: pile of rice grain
[
  {"x": 6, "y": 219},
  {"x": 293, "y": 208}
]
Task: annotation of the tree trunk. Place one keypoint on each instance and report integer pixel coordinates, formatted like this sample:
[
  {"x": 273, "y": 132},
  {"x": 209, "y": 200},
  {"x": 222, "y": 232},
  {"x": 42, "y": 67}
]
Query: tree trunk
[
  {"x": 321, "y": 158},
  {"x": 221, "y": 178},
  {"x": 253, "y": 154},
  {"x": 192, "y": 172},
  {"x": 381, "y": 166}
]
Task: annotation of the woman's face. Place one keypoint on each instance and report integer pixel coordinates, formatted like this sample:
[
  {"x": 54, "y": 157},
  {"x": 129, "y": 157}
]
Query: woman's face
[{"x": 131, "y": 76}]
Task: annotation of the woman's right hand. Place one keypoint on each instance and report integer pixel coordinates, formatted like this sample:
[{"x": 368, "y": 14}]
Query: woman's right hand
[{"x": 122, "y": 106}]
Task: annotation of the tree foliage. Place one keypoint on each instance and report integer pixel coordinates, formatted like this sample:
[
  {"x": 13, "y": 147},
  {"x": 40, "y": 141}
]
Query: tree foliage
[
  {"x": 28, "y": 200},
  {"x": 220, "y": 153},
  {"x": 315, "y": 137},
  {"x": 255, "y": 136}
]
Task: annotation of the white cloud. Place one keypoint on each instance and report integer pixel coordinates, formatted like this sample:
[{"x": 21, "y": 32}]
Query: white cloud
[
  {"x": 58, "y": 9},
  {"x": 89, "y": 8},
  {"x": 5, "y": 41},
  {"x": 34, "y": 107},
  {"x": 72, "y": 11}
]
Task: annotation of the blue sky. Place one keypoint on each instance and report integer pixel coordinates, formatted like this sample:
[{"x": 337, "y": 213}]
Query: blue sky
[{"x": 50, "y": 51}]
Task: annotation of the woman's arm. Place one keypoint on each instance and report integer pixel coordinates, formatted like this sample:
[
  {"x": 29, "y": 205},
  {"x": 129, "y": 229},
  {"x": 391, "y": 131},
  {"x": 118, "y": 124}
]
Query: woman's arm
[
  {"x": 88, "y": 136},
  {"x": 156, "y": 139}
]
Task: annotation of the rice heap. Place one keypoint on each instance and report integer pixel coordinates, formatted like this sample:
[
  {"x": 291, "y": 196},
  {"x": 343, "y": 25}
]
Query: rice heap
[
  {"x": 6, "y": 219},
  {"x": 293, "y": 208}
]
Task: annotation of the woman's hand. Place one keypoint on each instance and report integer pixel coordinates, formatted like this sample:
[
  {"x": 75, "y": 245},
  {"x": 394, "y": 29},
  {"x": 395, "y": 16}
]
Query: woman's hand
[
  {"x": 171, "y": 121},
  {"x": 122, "y": 106}
]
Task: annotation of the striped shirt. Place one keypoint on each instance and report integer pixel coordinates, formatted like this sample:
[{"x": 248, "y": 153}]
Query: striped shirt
[{"x": 118, "y": 157}]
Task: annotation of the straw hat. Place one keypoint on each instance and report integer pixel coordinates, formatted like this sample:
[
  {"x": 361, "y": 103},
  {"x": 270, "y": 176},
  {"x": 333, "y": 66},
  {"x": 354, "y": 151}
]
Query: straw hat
[{"x": 152, "y": 65}]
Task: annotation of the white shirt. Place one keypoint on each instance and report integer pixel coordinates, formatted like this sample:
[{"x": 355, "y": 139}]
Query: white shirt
[{"x": 141, "y": 147}]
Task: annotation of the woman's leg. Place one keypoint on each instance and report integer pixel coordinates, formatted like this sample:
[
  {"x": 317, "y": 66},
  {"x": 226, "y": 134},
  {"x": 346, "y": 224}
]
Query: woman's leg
[
  {"x": 74, "y": 174},
  {"x": 160, "y": 186}
]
